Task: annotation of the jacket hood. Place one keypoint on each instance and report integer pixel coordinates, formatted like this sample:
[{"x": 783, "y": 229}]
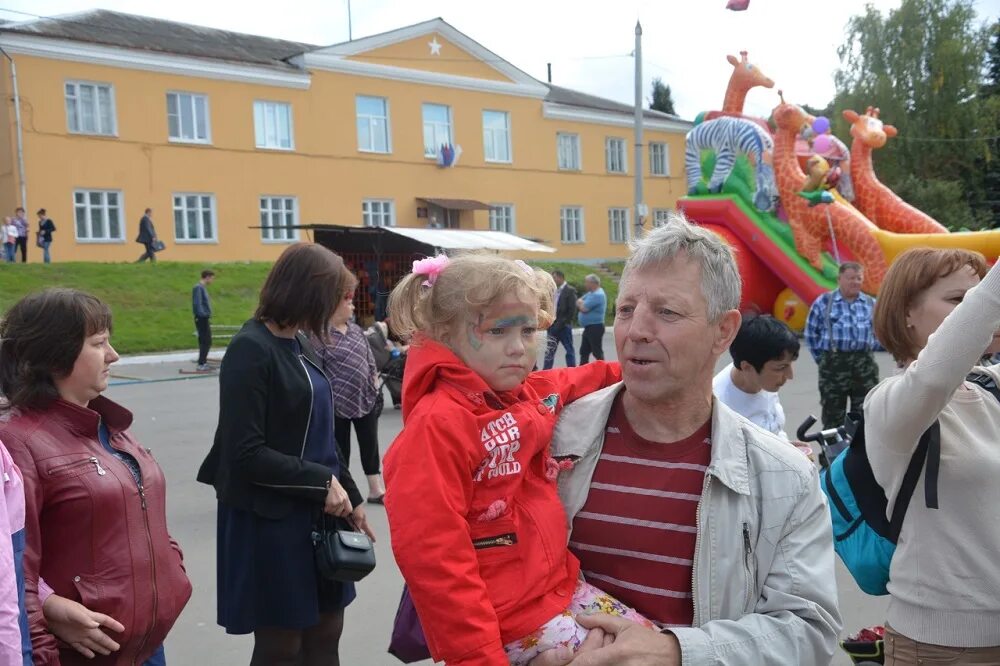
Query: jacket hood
[{"x": 430, "y": 363}]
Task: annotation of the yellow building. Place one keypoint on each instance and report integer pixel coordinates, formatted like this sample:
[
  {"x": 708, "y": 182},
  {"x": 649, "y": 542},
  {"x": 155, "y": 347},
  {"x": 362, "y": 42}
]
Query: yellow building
[{"x": 232, "y": 140}]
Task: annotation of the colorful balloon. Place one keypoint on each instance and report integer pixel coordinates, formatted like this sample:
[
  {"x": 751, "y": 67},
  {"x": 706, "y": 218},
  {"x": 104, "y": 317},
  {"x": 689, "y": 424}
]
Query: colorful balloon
[
  {"x": 822, "y": 144},
  {"x": 821, "y": 125}
]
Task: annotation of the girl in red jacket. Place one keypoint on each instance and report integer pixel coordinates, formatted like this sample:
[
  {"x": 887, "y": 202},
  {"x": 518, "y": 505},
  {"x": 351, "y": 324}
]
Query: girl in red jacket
[{"x": 477, "y": 528}]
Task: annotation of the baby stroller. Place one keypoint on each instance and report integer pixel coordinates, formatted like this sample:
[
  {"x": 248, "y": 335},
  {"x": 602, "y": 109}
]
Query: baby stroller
[
  {"x": 389, "y": 364},
  {"x": 866, "y": 646}
]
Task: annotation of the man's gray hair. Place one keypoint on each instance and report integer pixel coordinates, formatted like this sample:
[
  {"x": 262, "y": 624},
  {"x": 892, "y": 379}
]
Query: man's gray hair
[
  {"x": 593, "y": 278},
  {"x": 720, "y": 278}
]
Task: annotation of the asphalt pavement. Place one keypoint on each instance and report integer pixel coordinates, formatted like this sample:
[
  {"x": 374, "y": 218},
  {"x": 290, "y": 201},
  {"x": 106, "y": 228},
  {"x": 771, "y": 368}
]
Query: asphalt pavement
[{"x": 176, "y": 415}]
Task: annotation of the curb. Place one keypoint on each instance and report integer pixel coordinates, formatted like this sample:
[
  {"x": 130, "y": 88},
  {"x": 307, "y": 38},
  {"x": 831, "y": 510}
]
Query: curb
[{"x": 167, "y": 357}]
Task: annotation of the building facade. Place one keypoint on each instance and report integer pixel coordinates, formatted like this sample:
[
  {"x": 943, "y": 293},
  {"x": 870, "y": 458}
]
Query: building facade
[{"x": 233, "y": 141}]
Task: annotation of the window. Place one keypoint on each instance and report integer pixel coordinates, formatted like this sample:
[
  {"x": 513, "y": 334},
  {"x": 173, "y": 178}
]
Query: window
[
  {"x": 571, "y": 223},
  {"x": 502, "y": 218},
  {"x": 90, "y": 108},
  {"x": 277, "y": 214},
  {"x": 618, "y": 225},
  {"x": 187, "y": 117},
  {"x": 568, "y": 151},
  {"x": 660, "y": 217},
  {"x": 194, "y": 218},
  {"x": 378, "y": 213},
  {"x": 659, "y": 159},
  {"x": 272, "y": 123},
  {"x": 98, "y": 215},
  {"x": 614, "y": 155},
  {"x": 373, "y": 124},
  {"x": 496, "y": 136},
  {"x": 437, "y": 128}
]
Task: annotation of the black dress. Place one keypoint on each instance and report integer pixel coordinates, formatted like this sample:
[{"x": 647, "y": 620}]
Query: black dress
[{"x": 265, "y": 568}]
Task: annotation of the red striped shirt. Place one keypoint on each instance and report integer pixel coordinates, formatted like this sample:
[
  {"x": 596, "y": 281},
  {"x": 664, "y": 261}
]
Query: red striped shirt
[{"x": 635, "y": 535}]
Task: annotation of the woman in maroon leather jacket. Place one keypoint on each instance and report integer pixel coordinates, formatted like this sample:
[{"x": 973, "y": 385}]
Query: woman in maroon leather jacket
[{"x": 96, "y": 501}]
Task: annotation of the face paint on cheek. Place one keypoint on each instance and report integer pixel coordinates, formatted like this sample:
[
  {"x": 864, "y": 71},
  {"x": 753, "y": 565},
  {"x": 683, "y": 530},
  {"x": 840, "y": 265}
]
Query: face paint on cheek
[{"x": 474, "y": 330}]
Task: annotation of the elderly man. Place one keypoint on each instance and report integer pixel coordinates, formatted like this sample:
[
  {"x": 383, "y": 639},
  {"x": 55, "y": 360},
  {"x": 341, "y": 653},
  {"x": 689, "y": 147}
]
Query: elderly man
[
  {"x": 593, "y": 307},
  {"x": 841, "y": 336},
  {"x": 705, "y": 523}
]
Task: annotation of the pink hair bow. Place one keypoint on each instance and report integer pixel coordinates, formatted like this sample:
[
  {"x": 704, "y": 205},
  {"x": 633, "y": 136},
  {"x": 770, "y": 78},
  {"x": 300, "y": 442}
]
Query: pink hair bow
[{"x": 432, "y": 267}]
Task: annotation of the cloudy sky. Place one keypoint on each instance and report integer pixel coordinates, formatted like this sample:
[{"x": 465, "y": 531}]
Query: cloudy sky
[{"x": 588, "y": 42}]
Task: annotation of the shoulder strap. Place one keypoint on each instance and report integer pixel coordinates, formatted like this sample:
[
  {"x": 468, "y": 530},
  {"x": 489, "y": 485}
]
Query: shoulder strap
[
  {"x": 928, "y": 450},
  {"x": 986, "y": 381},
  {"x": 829, "y": 321}
]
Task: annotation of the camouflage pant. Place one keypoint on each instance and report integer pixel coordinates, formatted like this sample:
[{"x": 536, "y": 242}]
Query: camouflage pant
[{"x": 844, "y": 375}]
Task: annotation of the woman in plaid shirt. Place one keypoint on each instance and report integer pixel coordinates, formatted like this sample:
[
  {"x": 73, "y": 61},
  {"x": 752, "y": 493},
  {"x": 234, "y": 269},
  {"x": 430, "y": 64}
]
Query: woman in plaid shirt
[{"x": 349, "y": 364}]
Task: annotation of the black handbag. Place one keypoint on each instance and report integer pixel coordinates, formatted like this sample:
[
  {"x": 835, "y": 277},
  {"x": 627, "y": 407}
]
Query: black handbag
[{"x": 343, "y": 553}]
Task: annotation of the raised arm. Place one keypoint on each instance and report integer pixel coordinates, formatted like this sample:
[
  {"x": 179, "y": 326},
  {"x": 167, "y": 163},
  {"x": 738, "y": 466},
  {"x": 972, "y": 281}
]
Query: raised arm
[{"x": 905, "y": 406}]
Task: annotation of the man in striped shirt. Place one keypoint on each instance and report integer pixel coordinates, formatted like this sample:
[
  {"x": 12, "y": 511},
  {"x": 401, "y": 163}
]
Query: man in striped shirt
[{"x": 702, "y": 521}]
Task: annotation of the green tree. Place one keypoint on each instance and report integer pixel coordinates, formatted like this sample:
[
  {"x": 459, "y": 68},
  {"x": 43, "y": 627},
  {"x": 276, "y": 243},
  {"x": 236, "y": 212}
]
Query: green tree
[
  {"x": 923, "y": 66},
  {"x": 661, "y": 99}
]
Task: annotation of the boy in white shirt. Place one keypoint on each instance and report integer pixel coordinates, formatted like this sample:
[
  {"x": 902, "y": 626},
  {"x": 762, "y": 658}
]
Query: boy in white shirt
[{"x": 763, "y": 353}]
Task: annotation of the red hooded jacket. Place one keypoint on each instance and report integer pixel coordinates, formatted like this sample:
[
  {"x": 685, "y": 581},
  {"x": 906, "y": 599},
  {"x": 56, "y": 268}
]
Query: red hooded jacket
[{"x": 477, "y": 528}]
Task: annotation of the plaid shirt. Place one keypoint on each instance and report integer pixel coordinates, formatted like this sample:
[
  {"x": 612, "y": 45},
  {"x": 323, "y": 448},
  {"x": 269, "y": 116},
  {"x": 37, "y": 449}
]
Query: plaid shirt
[
  {"x": 349, "y": 365},
  {"x": 849, "y": 325}
]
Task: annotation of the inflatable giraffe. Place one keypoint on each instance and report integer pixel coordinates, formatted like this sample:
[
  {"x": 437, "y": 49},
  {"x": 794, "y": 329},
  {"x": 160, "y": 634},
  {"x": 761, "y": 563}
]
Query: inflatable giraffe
[
  {"x": 809, "y": 224},
  {"x": 745, "y": 76},
  {"x": 882, "y": 206}
]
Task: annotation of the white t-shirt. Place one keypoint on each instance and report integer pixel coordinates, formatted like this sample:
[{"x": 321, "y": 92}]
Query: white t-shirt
[{"x": 763, "y": 407}]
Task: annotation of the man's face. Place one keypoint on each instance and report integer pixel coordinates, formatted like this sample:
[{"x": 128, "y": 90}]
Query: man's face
[
  {"x": 559, "y": 280},
  {"x": 209, "y": 280},
  {"x": 19, "y": 212},
  {"x": 849, "y": 282},
  {"x": 665, "y": 342},
  {"x": 590, "y": 285},
  {"x": 773, "y": 374}
]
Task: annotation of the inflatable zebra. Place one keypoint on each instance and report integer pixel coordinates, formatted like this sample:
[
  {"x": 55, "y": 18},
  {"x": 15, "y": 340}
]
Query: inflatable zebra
[{"x": 730, "y": 137}]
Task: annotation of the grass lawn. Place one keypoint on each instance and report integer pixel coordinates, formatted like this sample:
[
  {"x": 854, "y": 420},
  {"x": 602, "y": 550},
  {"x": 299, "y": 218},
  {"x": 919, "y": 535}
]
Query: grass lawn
[{"x": 152, "y": 303}]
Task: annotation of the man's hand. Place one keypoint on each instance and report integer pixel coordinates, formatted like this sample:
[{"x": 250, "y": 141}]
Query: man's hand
[
  {"x": 80, "y": 627},
  {"x": 634, "y": 645},
  {"x": 562, "y": 655}
]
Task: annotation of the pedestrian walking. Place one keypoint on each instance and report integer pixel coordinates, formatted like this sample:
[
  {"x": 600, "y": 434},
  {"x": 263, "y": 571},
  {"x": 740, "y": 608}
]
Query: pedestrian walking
[
  {"x": 593, "y": 307},
  {"x": 561, "y": 330},
  {"x": 147, "y": 237},
  {"x": 201, "y": 304}
]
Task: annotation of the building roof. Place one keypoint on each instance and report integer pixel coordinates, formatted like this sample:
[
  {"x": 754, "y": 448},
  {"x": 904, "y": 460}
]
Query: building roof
[
  {"x": 101, "y": 26},
  {"x": 569, "y": 97}
]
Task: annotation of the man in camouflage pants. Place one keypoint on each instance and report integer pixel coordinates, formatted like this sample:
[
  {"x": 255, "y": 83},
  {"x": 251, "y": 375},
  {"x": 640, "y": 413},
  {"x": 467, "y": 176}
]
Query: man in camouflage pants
[{"x": 841, "y": 338}]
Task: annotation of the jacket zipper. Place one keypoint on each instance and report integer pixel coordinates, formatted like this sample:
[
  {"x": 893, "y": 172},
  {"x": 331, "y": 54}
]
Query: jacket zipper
[
  {"x": 149, "y": 541},
  {"x": 747, "y": 555},
  {"x": 697, "y": 548},
  {"x": 92, "y": 460},
  {"x": 508, "y": 539}
]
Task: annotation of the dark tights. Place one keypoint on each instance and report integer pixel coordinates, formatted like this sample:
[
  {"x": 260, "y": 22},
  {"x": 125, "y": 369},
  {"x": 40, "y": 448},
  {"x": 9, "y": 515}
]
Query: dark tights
[{"x": 315, "y": 646}]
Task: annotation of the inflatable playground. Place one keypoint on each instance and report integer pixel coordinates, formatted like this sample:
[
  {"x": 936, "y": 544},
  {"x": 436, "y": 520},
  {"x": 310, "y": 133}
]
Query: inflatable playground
[{"x": 794, "y": 201}]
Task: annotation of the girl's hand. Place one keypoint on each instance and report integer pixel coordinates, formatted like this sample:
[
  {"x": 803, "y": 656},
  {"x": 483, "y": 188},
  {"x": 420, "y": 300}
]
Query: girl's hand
[{"x": 337, "y": 502}]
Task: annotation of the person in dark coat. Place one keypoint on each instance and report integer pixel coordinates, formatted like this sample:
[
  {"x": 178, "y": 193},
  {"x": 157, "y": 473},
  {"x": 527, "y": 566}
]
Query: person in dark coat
[
  {"x": 147, "y": 237},
  {"x": 561, "y": 330}
]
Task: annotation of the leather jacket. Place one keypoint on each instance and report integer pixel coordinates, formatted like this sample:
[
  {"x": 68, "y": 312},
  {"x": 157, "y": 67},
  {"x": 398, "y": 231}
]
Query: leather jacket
[{"x": 93, "y": 533}]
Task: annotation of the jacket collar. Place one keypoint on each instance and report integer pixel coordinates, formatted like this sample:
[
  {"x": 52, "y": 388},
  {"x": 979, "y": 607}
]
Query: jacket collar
[
  {"x": 431, "y": 365},
  {"x": 581, "y": 427},
  {"x": 85, "y": 420}
]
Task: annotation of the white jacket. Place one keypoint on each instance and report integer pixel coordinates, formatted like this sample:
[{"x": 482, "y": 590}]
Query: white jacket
[{"x": 764, "y": 587}]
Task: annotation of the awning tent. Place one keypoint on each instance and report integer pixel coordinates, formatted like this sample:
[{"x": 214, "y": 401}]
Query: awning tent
[
  {"x": 456, "y": 204},
  {"x": 381, "y": 240}
]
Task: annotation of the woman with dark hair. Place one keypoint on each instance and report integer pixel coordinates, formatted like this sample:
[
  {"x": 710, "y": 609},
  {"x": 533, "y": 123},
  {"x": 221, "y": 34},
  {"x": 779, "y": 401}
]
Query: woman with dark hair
[
  {"x": 276, "y": 470},
  {"x": 938, "y": 312},
  {"x": 87, "y": 481}
]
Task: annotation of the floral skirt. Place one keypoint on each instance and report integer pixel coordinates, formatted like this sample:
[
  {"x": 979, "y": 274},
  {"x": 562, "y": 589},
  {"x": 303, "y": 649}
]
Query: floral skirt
[{"x": 563, "y": 628}]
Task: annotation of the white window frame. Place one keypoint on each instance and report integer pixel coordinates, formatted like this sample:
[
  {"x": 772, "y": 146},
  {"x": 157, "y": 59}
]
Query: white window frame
[
  {"x": 368, "y": 214},
  {"x": 662, "y": 160},
  {"x": 86, "y": 192},
  {"x": 436, "y": 127},
  {"x": 502, "y": 218},
  {"x": 189, "y": 98},
  {"x": 495, "y": 138},
  {"x": 618, "y": 225},
  {"x": 615, "y": 150},
  {"x": 574, "y": 164},
  {"x": 262, "y": 106},
  {"x": 76, "y": 100},
  {"x": 578, "y": 222},
  {"x": 371, "y": 125},
  {"x": 201, "y": 210},
  {"x": 661, "y": 216},
  {"x": 269, "y": 211}
]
